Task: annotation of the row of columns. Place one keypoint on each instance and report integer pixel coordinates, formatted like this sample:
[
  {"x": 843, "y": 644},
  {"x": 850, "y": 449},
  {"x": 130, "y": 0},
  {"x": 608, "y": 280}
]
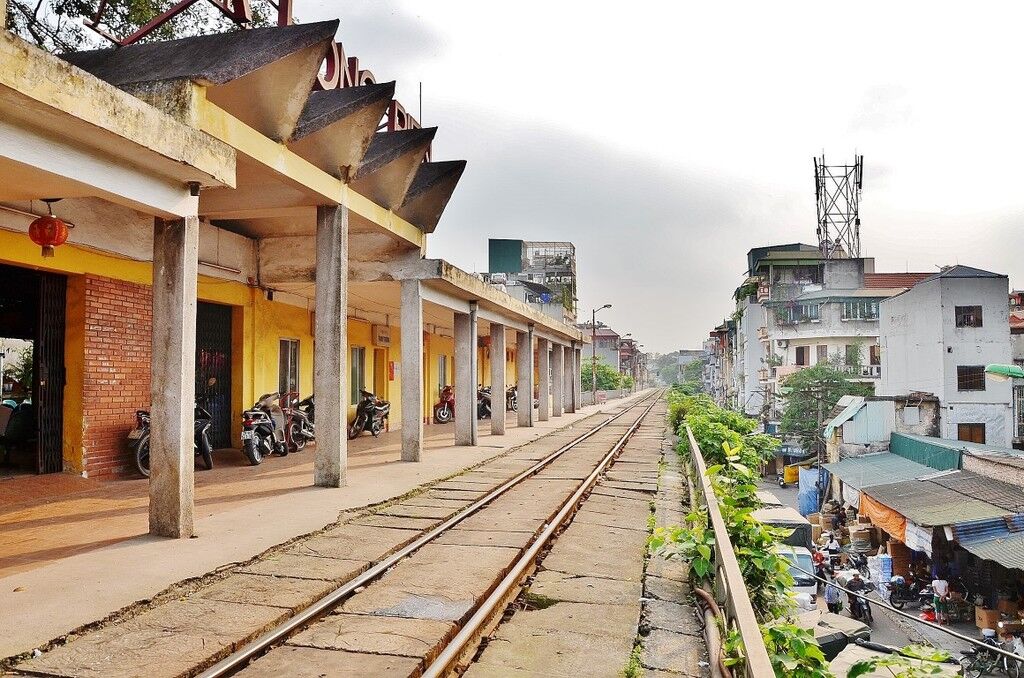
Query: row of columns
[
  {"x": 172, "y": 371},
  {"x": 175, "y": 281}
]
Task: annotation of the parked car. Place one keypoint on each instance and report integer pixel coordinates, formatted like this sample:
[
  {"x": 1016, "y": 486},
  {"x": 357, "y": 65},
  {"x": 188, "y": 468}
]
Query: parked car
[{"x": 805, "y": 586}]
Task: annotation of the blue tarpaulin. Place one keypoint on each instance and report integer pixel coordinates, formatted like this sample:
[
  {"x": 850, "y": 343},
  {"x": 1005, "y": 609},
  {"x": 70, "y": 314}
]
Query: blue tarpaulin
[{"x": 808, "y": 496}]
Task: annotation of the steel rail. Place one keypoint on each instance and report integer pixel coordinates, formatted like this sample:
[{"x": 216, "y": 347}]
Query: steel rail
[
  {"x": 729, "y": 579},
  {"x": 447, "y": 657},
  {"x": 241, "y": 657}
]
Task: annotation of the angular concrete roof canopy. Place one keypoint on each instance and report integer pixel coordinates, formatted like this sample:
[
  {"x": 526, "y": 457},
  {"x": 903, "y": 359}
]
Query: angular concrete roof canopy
[
  {"x": 429, "y": 193},
  {"x": 262, "y": 76},
  {"x": 337, "y": 126},
  {"x": 390, "y": 165}
]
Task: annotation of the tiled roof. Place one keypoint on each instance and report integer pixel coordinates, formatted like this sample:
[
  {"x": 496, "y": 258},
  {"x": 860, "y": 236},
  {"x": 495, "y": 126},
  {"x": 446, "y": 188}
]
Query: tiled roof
[{"x": 891, "y": 280}]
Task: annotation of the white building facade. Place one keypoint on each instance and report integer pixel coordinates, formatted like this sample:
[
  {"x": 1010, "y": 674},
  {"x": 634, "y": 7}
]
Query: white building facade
[{"x": 937, "y": 338}]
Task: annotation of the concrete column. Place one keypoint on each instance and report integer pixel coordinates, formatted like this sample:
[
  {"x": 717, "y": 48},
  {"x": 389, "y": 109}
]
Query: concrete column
[
  {"x": 465, "y": 377},
  {"x": 524, "y": 375},
  {"x": 557, "y": 380},
  {"x": 172, "y": 374},
  {"x": 330, "y": 380},
  {"x": 577, "y": 378},
  {"x": 498, "y": 379},
  {"x": 544, "y": 367},
  {"x": 412, "y": 370},
  {"x": 567, "y": 376}
]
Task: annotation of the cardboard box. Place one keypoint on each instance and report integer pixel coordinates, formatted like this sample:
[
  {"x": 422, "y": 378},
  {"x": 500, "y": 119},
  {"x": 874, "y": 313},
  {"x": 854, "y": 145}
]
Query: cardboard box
[
  {"x": 863, "y": 520},
  {"x": 863, "y": 535},
  {"x": 812, "y": 518},
  {"x": 825, "y": 520},
  {"x": 985, "y": 619},
  {"x": 815, "y": 533},
  {"x": 1007, "y": 606}
]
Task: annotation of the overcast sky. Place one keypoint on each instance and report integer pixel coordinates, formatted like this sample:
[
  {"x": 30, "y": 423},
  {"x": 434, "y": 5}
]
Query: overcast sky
[{"x": 666, "y": 139}]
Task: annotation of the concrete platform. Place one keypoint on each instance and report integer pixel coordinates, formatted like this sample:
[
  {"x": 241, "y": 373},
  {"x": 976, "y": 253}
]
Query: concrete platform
[{"x": 80, "y": 556}]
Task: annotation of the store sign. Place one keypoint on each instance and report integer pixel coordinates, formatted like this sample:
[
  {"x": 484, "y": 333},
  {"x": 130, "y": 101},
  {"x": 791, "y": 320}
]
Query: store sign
[
  {"x": 340, "y": 71},
  {"x": 381, "y": 335}
]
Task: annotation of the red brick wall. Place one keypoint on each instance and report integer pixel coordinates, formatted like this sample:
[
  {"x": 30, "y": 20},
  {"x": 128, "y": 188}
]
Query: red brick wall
[{"x": 118, "y": 347}]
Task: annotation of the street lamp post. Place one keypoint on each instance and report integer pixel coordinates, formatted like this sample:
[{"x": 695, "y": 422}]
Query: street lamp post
[{"x": 593, "y": 351}]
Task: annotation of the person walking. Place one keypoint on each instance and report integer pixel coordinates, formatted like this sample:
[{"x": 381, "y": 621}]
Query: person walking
[{"x": 833, "y": 598}]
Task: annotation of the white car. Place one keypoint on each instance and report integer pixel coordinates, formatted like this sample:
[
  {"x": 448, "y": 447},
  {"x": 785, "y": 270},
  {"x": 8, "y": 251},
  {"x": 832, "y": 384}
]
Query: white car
[{"x": 805, "y": 586}]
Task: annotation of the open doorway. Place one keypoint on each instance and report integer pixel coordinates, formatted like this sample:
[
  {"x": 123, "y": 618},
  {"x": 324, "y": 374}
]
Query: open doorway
[{"x": 32, "y": 316}]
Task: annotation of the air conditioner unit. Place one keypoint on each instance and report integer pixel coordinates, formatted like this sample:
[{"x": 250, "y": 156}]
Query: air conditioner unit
[{"x": 782, "y": 343}]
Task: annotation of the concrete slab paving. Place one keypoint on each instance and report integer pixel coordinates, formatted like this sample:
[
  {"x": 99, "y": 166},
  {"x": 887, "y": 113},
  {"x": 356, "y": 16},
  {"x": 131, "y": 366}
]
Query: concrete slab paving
[
  {"x": 672, "y": 616},
  {"x": 599, "y": 551},
  {"x": 353, "y": 542},
  {"x": 440, "y": 582},
  {"x": 415, "y": 524},
  {"x": 405, "y": 510},
  {"x": 507, "y": 539},
  {"x": 551, "y": 585},
  {"x": 400, "y": 636},
  {"x": 290, "y": 593},
  {"x": 165, "y": 641},
  {"x": 675, "y": 652},
  {"x": 288, "y": 564},
  {"x": 666, "y": 589},
  {"x": 311, "y": 662}
]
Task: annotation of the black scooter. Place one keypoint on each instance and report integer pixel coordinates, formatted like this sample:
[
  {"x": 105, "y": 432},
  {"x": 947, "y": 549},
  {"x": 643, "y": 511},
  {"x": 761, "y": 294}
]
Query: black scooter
[
  {"x": 371, "y": 415},
  {"x": 263, "y": 429},
  {"x": 138, "y": 437},
  {"x": 300, "y": 429},
  {"x": 483, "y": 402},
  {"x": 512, "y": 399}
]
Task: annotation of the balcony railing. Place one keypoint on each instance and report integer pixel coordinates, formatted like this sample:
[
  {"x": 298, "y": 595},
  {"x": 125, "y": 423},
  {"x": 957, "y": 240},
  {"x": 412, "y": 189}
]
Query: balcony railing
[
  {"x": 862, "y": 371},
  {"x": 730, "y": 590}
]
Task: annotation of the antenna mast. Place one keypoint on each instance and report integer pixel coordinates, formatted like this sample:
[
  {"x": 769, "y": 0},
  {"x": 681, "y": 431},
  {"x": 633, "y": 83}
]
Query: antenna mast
[{"x": 837, "y": 194}]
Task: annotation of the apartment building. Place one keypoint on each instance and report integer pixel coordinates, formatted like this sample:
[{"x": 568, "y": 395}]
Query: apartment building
[{"x": 938, "y": 336}]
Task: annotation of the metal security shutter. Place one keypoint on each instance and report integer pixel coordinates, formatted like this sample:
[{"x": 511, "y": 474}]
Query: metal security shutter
[
  {"x": 213, "y": 359},
  {"x": 49, "y": 373}
]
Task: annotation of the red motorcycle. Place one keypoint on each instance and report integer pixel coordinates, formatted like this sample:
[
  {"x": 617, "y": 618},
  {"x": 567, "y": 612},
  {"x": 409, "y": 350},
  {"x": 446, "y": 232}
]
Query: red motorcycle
[{"x": 444, "y": 411}]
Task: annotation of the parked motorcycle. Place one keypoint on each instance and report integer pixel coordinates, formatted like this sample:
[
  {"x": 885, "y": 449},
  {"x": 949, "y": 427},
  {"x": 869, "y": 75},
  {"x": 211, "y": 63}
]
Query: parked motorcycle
[
  {"x": 299, "y": 429},
  {"x": 858, "y": 561},
  {"x": 444, "y": 410},
  {"x": 483, "y": 402},
  {"x": 512, "y": 399},
  {"x": 902, "y": 592},
  {"x": 979, "y": 661},
  {"x": 138, "y": 437},
  {"x": 781, "y": 479},
  {"x": 371, "y": 415},
  {"x": 263, "y": 429}
]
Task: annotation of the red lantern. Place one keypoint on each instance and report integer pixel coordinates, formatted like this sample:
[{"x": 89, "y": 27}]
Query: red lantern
[{"x": 48, "y": 232}]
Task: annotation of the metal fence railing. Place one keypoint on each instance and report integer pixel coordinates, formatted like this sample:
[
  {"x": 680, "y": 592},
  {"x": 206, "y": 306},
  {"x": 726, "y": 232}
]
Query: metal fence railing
[{"x": 729, "y": 587}]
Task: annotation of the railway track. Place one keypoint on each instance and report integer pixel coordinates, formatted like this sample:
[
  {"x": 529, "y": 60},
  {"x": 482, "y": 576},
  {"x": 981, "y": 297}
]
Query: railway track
[
  {"x": 405, "y": 589},
  {"x": 457, "y": 632}
]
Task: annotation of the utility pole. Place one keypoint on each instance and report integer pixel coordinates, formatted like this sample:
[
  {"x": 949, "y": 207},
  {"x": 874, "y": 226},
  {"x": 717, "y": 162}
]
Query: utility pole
[{"x": 593, "y": 352}]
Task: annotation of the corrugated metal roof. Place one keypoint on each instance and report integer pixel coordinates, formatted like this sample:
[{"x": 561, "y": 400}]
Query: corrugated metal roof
[
  {"x": 877, "y": 469},
  {"x": 1008, "y": 551},
  {"x": 988, "y": 490},
  {"x": 980, "y": 530},
  {"x": 929, "y": 504}
]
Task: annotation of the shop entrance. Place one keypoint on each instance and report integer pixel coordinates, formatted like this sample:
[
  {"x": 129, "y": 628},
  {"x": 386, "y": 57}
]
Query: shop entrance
[
  {"x": 32, "y": 308},
  {"x": 213, "y": 361}
]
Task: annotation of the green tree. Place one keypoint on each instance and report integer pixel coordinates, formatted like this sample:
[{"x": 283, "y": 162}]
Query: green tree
[
  {"x": 55, "y": 25},
  {"x": 608, "y": 378},
  {"x": 19, "y": 367},
  {"x": 813, "y": 392}
]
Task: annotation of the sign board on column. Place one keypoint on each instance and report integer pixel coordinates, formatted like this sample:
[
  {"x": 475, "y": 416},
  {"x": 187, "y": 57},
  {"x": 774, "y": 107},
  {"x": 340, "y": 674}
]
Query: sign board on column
[{"x": 381, "y": 335}]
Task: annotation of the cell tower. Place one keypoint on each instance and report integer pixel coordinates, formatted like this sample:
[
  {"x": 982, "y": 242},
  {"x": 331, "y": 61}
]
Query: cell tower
[{"x": 837, "y": 193}]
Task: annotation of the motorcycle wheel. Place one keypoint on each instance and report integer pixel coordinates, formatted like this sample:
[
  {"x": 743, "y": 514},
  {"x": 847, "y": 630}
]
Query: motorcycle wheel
[
  {"x": 142, "y": 457},
  {"x": 971, "y": 670},
  {"x": 782, "y": 483},
  {"x": 1011, "y": 667},
  {"x": 207, "y": 459},
  {"x": 296, "y": 436},
  {"x": 357, "y": 426},
  {"x": 252, "y": 452},
  {"x": 443, "y": 414},
  {"x": 898, "y": 603},
  {"x": 376, "y": 427},
  {"x": 514, "y": 406}
]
